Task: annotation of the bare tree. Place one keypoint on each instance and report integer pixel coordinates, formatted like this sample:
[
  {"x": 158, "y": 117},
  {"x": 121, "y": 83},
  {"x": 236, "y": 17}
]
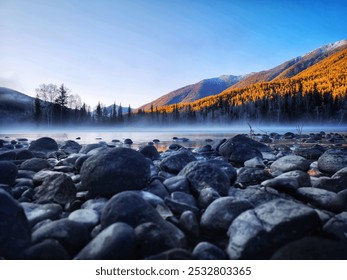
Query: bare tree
[{"x": 47, "y": 93}]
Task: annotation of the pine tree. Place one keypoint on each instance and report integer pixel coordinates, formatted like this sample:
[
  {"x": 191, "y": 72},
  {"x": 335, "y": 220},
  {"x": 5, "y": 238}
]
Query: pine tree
[
  {"x": 37, "y": 110},
  {"x": 61, "y": 100}
]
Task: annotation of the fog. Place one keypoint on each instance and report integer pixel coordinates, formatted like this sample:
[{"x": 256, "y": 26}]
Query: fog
[{"x": 197, "y": 134}]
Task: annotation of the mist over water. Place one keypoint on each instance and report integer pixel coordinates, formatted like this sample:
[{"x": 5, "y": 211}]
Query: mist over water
[{"x": 141, "y": 135}]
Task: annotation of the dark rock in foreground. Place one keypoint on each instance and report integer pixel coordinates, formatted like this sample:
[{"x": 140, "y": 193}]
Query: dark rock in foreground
[{"x": 115, "y": 170}]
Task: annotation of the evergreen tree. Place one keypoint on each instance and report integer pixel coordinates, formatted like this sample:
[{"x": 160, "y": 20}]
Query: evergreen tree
[
  {"x": 37, "y": 110},
  {"x": 61, "y": 101},
  {"x": 120, "y": 114}
]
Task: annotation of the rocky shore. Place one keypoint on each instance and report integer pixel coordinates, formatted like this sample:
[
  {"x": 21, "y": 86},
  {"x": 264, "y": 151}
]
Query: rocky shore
[{"x": 268, "y": 196}]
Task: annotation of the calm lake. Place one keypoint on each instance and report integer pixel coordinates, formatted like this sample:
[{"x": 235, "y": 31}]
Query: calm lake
[{"x": 197, "y": 136}]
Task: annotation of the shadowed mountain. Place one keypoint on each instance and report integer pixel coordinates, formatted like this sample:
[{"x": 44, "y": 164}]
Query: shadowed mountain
[
  {"x": 15, "y": 105},
  {"x": 196, "y": 91}
]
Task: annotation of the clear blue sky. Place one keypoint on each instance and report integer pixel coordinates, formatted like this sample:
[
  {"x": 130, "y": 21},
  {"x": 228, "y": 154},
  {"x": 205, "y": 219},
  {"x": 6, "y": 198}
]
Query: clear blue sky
[{"x": 134, "y": 51}]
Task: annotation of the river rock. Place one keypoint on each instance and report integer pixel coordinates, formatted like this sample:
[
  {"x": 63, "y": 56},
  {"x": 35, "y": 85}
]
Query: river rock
[
  {"x": 24, "y": 154},
  {"x": 43, "y": 175},
  {"x": 333, "y": 160},
  {"x": 225, "y": 166},
  {"x": 58, "y": 188},
  {"x": 115, "y": 170},
  {"x": 35, "y": 164},
  {"x": 247, "y": 176},
  {"x": 72, "y": 236},
  {"x": 208, "y": 251},
  {"x": 8, "y": 173},
  {"x": 177, "y": 183},
  {"x": 152, "y": 240},
  {"x": 318, "y": 197},
  {"x": 156, "y": 187},
  {"x": 206, "y": 197},
  {"x": 257, "y": 233},
  {"x": 202, "y": 175},
  {"x": 89, "y": 147},
  {"x": 175, "y": 162},
  {"x": 7, "y": 155},
  {"x": 130, "y": 208},
  {"x": 48, "y": 249},
  {"x": 312, "y": 248},
  {"x": 71, "y": 147},
  {"x": 312, "y": 153},
  {"x": 115, "y": 242},
  {"x": 96, "y": 204},
  {"x": 150, "y": 152},
  {"x": 189, "y": 224},
  {"x": 26, "y": 174},
  {"x": 288, "y": 182},
  {"x": 90, "y": 218},
  {"x": 255, "y": 162},
  {"x": 337, "y": 227},
  {"x": 179, "y": 202},
  {"x": 80, "y": 161},
  {"x": 44, "y": 145},
  {"x": 15, "y": 232},
  {"x": 290, "y": 163},
  {"x": 38, "y": 212},
  {"x": 220, "y": 214}
]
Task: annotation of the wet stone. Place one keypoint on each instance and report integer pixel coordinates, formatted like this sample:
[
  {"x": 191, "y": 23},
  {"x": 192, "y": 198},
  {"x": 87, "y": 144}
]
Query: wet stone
[
  {"x": 208, "y": 251},
  {"x": 189, "y": 224},
  {"x": 312, "y": 248},
  {"x": 15, "y": 233},
  {"x": 247, "y": 176},
  {"x": 290, "y": 163},
  {"x": 177, "y": 183},
  {"x": 71, "y": 147},
  {"x": 257, "y": 233},
  {"x": 116, "y": 242},
  {"x": 333, "y": 160},
  {"x": 220, "y": 214},
  {"x": 90, "y": 218},
  {"x": 115, "y": 170},
  {"x": 8, "y": 173},
  {"x": 175, "y": 162},
  {"x": 44, "y": 144},
  {"x": 206, "y": 197},
  {"x": 204, "y": 174},
  {"x": 152, "y": 240},
  {"x": 72, "y": 236},
  {"x": 58, "y": 188},
  {"x": 48, "y": 249},
  {"x": 337, "y": 227},
  {"x": 35, "y": 164}
]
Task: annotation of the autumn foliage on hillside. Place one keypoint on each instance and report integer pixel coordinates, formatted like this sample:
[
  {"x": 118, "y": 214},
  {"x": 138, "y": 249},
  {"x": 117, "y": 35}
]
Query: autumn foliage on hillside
[{"x": 315, "y": 94}]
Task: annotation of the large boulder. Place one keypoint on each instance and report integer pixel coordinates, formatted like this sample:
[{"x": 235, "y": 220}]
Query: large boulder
[
  {"x": 220, "y": 214},
  {"x": 333, "y": 160},
  {"x": 202, "y": 175},
  {"x": 257, "y": 233},
  {"x": 241, "y": 148},
  {"x": 129, "y": 207},
  {"x": 116, "y": 242},
  {"x": 290, "y": 163},
  {"x": 15, "y": 232},
  {"x": 35, "y": 164},
  {"x": 72, "y": 235},
  {"x": 115, "y": 170},
  {"x": 44, "y": 145},
  {"x": 71, "y": 147},
  {"x": 8, "y": 172},
  {"x": 175, "y": 162},
  {"x": 58, "y": 188}
]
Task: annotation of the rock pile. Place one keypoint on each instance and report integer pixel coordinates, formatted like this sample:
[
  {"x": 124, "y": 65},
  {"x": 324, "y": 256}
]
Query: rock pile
[{"x": 237, "y": 198}]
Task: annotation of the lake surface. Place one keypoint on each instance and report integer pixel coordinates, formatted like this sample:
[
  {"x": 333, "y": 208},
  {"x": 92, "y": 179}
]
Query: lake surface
[{"x": 197, "y": 136}]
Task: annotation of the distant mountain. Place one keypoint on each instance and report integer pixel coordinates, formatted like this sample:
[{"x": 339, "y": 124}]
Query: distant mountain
[
  {"x": 15, "y": 105},
  {"x": 196, "y": 91},
  {"x": 292, "y": 67},
  {"x": 317, "y": 93}
]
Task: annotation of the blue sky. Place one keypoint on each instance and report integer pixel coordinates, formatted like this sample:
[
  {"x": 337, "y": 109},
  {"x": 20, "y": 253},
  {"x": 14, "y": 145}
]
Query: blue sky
[{"x": 134, "y": 51}]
